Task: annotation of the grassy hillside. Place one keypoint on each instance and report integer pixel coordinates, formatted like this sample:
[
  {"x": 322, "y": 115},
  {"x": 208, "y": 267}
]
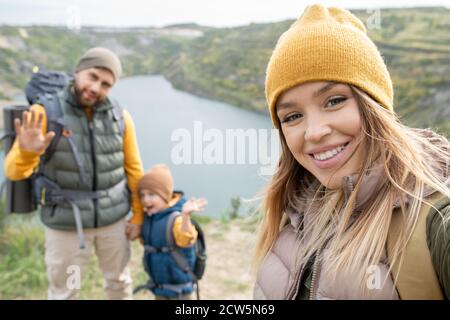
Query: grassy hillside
[{"x": 228, "y": 64}]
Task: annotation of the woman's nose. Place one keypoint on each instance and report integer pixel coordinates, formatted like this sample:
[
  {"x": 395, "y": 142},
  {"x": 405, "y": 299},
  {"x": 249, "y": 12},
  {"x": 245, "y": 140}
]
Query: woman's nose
[{"x": 316, "y": 129}]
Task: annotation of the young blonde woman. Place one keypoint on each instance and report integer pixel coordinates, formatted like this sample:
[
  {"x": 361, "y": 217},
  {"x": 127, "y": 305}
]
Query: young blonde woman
[{"x": 359, "y": 205}]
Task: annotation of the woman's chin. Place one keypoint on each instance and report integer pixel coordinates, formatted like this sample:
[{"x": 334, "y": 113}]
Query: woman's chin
[{"x": 332, "y": 182}]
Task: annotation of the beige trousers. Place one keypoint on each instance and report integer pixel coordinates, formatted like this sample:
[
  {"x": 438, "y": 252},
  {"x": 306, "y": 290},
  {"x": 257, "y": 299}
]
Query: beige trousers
[{"x": 66, "y": 262}]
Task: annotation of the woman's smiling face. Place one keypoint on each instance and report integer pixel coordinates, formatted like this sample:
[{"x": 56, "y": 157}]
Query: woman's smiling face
[{"x": 322, "y": 126}]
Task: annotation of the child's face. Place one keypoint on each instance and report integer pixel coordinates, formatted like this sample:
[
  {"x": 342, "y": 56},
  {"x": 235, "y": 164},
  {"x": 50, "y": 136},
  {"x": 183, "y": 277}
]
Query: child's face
[
  {"x": 322, "y": 126},
  {"x": 152, "y": 202}
]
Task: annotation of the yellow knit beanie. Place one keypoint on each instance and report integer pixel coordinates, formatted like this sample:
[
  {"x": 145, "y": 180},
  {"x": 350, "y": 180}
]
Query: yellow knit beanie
[{"x": 327, "y": 44}]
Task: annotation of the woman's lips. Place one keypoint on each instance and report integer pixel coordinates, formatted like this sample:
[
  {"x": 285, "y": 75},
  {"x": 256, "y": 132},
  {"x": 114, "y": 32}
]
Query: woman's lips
[{"x": 331, "y": 162}]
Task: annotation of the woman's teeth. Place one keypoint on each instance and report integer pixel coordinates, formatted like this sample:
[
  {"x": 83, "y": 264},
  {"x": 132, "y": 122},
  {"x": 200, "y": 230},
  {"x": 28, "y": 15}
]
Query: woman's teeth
[{"x": 328, "y": 154}]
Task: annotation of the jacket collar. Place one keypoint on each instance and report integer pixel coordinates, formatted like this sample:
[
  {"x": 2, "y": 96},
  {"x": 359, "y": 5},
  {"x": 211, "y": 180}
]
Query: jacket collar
[
  {"x": 372, "y": 181},
  {"x": 71, "y": 99}
]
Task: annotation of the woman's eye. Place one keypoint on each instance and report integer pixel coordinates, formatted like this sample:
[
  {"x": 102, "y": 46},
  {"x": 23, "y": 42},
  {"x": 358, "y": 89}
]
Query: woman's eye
[
  {"x": 335, "y": 101},
  {"x": 292, "y": 117}
]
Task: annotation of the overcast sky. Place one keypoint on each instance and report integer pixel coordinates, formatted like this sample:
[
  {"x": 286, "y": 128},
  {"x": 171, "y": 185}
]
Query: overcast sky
[{"x": 159, "y": 13}]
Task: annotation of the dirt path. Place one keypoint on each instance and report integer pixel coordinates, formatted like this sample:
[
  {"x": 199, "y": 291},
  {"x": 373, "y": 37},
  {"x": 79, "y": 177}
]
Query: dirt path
[{"x": 228, "y": 274}]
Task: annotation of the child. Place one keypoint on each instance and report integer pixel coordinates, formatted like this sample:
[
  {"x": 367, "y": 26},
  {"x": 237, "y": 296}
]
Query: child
[
  {"x": 168, "y": 280},
  {"x": 359, "y": 205}
]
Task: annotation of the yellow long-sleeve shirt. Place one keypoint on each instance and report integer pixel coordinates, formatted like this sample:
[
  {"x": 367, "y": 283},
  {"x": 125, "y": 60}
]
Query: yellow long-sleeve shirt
[
  {"x": 183, "y": 239},
  {"x": 20, "y": 164}
]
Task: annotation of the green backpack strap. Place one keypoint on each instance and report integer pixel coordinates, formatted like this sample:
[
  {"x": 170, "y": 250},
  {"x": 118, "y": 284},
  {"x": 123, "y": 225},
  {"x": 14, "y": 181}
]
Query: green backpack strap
[
  {"x": 118, "y": 115},
  {"x": 416, "y": 277},
  {"x": 55, "y": 123},
  {"x": 438, "y": 240}
]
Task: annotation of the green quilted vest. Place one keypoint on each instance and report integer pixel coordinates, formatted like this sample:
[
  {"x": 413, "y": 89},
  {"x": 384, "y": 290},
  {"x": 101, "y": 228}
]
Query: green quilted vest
[{"x": 99, "y": 145}]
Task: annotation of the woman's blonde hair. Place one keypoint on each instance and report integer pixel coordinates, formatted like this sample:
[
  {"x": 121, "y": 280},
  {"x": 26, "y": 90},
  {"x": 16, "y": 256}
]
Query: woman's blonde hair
[{"x": 410, "y": 162}]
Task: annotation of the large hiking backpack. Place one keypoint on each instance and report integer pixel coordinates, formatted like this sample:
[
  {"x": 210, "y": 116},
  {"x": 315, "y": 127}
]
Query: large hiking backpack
[
  {"x": 41, "y": 89},
  {"x": 200, "y": 256},
  {"x": 23, "y": 196}
]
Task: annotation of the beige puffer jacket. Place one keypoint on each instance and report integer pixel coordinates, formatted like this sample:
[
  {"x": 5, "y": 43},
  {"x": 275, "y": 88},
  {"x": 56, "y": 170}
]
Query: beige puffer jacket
[{"x": 279, "y": 279}]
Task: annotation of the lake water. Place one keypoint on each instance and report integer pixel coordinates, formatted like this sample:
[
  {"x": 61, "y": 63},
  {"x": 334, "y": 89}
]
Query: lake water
[{"x": 161, "y": 114}]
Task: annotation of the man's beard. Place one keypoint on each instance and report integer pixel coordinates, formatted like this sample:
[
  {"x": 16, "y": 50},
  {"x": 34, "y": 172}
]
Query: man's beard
[{"x": 79, "y": 97}]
